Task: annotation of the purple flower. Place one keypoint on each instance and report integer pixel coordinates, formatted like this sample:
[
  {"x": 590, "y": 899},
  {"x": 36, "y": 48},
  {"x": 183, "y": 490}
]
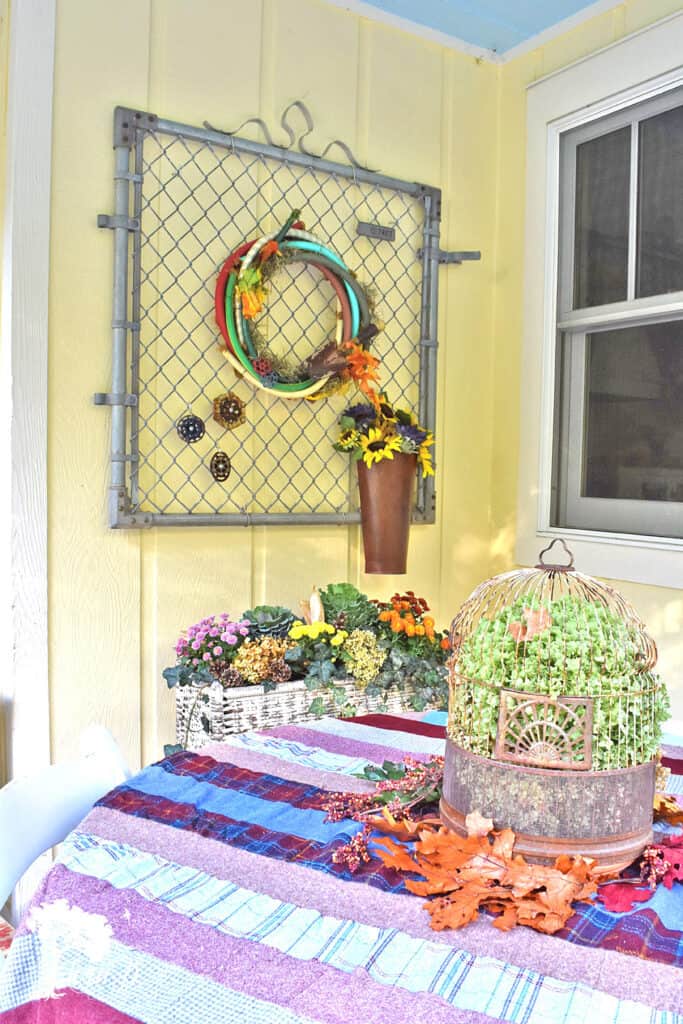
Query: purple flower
[
  {"x": 360, "y": 413},
  {"x": 411, "y": 433},
  {"x": 230, "y": 638},
  {"x": 195, "y": 645}
]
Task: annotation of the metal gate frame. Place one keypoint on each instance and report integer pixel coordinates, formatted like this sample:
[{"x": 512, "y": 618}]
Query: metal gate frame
[{"x": 130, "y": 127}]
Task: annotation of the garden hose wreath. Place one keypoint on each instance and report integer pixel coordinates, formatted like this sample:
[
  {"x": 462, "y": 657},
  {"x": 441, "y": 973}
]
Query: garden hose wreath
[{"x": 240, "y": 296}]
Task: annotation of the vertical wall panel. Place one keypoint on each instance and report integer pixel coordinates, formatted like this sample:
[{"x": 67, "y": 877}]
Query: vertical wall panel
[{"x": 94, "y": 591}]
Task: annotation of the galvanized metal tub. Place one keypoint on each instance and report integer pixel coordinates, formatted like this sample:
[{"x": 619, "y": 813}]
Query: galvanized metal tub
[{"x": 606, "y": 815}]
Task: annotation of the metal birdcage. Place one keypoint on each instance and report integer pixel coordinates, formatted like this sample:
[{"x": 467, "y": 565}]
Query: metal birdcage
[
  {"x": 555, "y": 669},
  {"x": 554, "y": 713}
]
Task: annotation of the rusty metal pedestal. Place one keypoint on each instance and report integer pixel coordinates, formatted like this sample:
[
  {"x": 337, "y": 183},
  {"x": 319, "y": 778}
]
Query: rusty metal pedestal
[{"x": 606, "y": 815}]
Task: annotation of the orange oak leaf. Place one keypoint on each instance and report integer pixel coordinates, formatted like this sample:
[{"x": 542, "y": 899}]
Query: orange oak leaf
[
  {"x": 394, "y": 856},
  {"x": 507, "y": 919},
  {"x": 407, "y": 829},
  {"x": 469, "y": 873},
  {"x": 477, "y": 825},
  {"x": 667, "y": 808}
]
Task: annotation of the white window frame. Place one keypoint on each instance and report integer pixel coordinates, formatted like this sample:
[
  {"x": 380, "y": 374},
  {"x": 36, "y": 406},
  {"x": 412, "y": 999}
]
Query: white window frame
[
  {"x": 639, "y": 67},
  {"x": 635, "y": 517}
]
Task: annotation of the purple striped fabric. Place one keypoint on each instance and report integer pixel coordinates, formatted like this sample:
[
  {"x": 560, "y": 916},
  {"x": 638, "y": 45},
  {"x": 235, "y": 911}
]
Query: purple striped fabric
[
  {"x": 374, "y": 752},
  {"x": 624, "y": 977},
  {"x": 308, "y": 988}
]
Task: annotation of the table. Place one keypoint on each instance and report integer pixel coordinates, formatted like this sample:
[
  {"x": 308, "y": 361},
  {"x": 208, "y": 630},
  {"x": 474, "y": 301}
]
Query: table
[{"x": 204, "y": 890}]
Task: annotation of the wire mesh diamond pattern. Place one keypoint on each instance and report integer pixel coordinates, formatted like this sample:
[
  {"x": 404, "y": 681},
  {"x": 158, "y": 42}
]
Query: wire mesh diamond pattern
[{"x": 195, "y": 201}]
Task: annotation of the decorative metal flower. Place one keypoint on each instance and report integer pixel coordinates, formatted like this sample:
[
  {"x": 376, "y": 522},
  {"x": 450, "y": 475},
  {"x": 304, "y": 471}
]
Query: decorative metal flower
[
  {"x": 220, "y": 466},
  {"x": 190, "y": 429},
  {"x": 228, "y": 410}
]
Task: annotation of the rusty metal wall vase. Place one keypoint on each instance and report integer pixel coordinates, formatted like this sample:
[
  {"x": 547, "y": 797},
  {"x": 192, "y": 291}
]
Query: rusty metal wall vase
[{"x": 386, "y": 493}]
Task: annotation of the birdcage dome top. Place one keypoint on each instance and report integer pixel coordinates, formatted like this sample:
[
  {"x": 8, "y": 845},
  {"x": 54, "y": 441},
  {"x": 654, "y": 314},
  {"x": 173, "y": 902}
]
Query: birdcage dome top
[
  {"x": 556, "y": 666},
  {"x": 550, "y": 620}
]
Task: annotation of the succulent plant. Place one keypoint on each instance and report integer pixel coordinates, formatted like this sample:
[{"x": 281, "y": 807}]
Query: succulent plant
[
  {"x": 344, "y": 599},
  {"x": 269, "y": 620}
]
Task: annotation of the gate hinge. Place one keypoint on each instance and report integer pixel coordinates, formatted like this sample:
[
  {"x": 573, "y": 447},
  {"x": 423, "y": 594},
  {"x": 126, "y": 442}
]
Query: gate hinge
[
  {"x": 117, "y": 220},
  {"x": 453, "y": 257},
  {"x": 126, "y": 121},
  {"x": 107, "y": 398}
]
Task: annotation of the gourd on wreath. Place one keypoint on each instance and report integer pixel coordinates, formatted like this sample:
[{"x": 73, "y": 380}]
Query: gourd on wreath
[{"x": 241, "y": 295}]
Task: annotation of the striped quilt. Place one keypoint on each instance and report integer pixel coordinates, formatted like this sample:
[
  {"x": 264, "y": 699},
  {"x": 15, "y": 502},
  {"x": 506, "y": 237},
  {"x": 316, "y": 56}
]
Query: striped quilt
[{"x": 203, "y": 891}]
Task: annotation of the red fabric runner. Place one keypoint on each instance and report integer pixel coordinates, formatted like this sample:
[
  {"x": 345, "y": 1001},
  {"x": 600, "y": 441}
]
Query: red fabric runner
[
  {"x": 401, "y": 724},
  {"x": 66, "y": 1007}
]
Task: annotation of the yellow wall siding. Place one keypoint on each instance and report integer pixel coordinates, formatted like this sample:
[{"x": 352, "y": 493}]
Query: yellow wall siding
[
  {"x": 661, "y": 608},
  {"x": 406, "y": 106}
]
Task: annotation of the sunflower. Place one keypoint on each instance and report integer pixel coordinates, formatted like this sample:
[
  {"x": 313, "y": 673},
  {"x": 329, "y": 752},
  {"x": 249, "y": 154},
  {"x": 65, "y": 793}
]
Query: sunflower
[
  {"x": 424, "y": 456},
  {"x": 376, "y": 445},
  {"x": 348, "y": 440}
]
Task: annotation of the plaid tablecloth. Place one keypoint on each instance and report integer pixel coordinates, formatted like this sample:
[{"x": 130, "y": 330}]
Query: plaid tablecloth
[{"x": 204, "y": 891}]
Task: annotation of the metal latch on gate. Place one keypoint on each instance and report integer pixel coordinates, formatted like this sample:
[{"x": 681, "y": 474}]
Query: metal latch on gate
[
  {"x": 453, "y": 257},
  {"x": 116, "y": 220},
  {"x": 107, "y": 398}
]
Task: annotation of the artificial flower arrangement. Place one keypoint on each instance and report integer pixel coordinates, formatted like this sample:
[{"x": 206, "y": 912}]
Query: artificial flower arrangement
[
  {"x": 372, "y": 432},
  {"x": 388, "y": 445},
  {"x": 380, "y": 645}
]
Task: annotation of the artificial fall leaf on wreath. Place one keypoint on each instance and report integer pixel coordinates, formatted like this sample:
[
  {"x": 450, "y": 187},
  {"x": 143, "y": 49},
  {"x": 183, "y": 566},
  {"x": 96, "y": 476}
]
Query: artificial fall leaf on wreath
[{"x": 468, "y": 873}]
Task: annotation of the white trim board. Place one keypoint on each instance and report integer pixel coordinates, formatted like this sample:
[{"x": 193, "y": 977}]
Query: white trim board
[
  {"x": 451, "y": 42},
  {"x": 25, "y": 282},
  {"x": 637, "y": 67},
  {"x": 23, "y": 380},
  {"x": 414, "y": 28}
]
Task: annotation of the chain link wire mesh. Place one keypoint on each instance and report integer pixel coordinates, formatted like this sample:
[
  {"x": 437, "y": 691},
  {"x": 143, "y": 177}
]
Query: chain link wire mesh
[{"x": 196, "y": 197}]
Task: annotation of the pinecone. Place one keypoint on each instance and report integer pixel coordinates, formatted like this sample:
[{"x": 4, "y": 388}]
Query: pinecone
[
  {"x": 280, "y": 672},
  {"x": 229, "y": 676}
]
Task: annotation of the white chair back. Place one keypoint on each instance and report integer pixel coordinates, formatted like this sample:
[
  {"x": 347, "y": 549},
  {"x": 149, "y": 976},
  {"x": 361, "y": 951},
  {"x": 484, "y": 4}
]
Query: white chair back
[{"x": 39, "y": 811}]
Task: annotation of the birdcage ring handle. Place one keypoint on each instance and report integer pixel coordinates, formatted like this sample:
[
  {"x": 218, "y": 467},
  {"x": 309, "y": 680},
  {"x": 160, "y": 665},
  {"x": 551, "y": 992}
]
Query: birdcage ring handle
[{"x": 555, "y": 567}]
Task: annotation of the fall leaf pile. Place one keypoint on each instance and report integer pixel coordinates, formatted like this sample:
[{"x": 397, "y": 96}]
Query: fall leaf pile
[{"x": 467, "y": 874}]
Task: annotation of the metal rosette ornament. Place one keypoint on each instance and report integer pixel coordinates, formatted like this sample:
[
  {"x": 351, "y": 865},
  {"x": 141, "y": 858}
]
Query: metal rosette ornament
[{"x": 240, "y": 296}]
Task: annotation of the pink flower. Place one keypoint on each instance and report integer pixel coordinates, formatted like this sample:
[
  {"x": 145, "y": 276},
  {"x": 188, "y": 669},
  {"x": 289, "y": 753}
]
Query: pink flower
[
  {"x": 196, "y": 645},
  {"x": 230, "y": 638},
  {"x": 195, "y": 661},
  {"x": 244, "y": 631},
  {"x": 217, "y": 651},
  {"x": 206, "y": 657}
]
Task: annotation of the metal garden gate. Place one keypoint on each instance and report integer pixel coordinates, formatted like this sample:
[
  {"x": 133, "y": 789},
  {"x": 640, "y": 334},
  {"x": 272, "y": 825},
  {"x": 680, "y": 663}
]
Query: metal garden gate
[{"x": 185, "y": 197}]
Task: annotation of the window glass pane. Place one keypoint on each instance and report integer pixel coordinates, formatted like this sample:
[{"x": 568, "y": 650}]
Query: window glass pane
[
  {"x": 634, "y": 414},
  {"x": 659, "y": 261},
  {"x": 601, "y": 219}
]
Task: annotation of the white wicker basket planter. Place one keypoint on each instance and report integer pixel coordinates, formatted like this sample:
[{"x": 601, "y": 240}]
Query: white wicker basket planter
[{"x": 242, "y": 708}]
